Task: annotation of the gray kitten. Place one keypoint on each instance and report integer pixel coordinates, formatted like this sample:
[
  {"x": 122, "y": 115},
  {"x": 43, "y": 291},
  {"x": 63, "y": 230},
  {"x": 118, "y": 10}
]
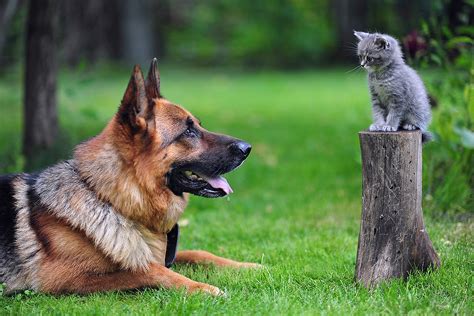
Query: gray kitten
[{"x": 399, "y": 98}]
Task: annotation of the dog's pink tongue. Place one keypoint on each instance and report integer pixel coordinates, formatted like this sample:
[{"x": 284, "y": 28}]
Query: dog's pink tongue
[{"x": 219, "y": 183}]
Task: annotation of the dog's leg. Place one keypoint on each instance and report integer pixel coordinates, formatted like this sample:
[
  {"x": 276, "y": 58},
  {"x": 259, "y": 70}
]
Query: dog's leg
[
  {"x": 204, "y": 257},
  {"x": 156, "y": 276}
]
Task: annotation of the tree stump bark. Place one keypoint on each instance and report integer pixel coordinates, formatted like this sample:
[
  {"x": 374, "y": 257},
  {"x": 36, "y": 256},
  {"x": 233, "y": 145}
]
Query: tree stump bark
[{"x": 392, "y": 239}]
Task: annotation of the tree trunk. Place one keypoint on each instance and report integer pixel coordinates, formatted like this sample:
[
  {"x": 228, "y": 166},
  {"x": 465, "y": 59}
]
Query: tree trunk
[
  {"x": 40, "y": 114},
  {"x": 348, "y": 16},
  {"x": 77, "y": 43},
  {"x": 392, "y": 240},
  {"x": 7, "y": 11},
  {"x": 138, "y": 38}
]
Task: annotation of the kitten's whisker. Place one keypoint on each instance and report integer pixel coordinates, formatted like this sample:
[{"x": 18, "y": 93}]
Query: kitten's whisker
[
  {"x": 354, "y": 69},
  {"x": 351, "y": 46}
]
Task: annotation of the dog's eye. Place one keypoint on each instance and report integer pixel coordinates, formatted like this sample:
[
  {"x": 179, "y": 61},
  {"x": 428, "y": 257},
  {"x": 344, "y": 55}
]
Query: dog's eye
[{"x": 190, "y": 132}]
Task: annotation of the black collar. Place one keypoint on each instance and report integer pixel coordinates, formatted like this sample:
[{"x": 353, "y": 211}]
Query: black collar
[{"x": 171, "y": 245}]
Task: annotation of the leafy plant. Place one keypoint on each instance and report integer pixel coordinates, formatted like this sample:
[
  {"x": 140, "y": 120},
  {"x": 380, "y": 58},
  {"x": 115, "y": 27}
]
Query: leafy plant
[{"x": 451, "y": 159}]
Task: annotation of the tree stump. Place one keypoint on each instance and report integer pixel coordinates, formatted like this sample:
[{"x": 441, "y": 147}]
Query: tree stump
[{"x": 392, "y": 239}]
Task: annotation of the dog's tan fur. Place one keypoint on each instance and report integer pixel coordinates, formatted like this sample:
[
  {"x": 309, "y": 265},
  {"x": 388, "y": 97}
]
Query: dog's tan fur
[{"x": 104, "y": 226}]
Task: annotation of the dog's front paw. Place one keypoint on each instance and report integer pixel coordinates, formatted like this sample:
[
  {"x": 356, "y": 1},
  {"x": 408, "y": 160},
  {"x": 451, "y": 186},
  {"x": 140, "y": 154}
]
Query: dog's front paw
[
  {"x": 388, "y": 128},
  {"x": 409, "y": 127},
  {"x": 206, "y": 288},
  {"x": 250, "y": 265},
  {"x": 375, "y": 127}
]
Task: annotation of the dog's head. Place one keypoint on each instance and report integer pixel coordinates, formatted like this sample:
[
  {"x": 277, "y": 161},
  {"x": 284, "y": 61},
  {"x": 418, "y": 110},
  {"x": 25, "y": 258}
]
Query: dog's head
[{"x": 168, "y": 145}]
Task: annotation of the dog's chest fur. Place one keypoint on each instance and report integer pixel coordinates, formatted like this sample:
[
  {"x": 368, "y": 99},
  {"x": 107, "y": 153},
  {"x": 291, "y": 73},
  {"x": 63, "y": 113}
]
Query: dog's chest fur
[{"x": 128, "y": 243}]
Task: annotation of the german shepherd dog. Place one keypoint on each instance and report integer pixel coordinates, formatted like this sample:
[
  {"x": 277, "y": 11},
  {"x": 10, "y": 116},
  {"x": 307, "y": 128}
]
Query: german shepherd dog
[{"x": 107, "y": 218}]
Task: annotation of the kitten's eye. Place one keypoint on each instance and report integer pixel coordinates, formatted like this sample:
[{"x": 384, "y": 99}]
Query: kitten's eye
[{"x": 369, "y": 59}]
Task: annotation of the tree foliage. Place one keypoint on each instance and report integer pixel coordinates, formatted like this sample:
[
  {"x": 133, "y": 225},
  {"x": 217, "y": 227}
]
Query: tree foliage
[
  {"x": 252, "y": 33},
  {"x": 450, "y": 35}
]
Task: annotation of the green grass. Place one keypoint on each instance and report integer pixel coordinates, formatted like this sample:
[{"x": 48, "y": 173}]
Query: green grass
[{"x": 296, "y": 204}]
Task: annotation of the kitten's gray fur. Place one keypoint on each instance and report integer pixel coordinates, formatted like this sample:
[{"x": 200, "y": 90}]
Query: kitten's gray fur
[{"x": 399, "y": 98}]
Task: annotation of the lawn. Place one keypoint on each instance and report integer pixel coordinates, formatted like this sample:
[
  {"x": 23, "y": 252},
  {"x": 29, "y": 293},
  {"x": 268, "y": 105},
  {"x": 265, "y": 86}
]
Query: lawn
[{"x": 295, "y": 209}]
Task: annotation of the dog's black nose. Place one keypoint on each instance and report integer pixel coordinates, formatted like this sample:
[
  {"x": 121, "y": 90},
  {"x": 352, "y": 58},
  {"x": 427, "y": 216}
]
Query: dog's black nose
[{"x": 241, "y": 148}]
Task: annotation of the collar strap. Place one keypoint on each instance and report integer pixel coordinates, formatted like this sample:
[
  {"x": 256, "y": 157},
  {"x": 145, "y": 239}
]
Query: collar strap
[{"x": 171, "y": 245}]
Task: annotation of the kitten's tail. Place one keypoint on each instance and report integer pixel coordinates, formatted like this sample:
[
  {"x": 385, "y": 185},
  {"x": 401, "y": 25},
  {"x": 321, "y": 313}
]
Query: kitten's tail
[{"x": 426, "y": 137}]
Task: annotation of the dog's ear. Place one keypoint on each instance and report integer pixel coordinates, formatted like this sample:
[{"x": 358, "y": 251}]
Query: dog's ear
[
  {"x": 133, "y": 110},
  {"x": 152, "y": 83},
  {"x": 381, "y": 42},
  {"x": 360, "y": 35}
]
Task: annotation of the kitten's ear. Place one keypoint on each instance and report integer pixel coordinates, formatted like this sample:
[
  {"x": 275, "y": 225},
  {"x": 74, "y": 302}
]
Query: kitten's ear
[
  {"x": 360, "y": 35},
  {"x": 382, "y": 42}
]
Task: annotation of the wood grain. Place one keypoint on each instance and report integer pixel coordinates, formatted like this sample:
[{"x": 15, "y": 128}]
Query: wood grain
[{"x": 393, "y": 240}]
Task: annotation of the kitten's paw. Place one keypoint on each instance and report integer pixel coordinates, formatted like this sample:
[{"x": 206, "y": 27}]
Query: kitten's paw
[
  {"x": 409, "y": 127},
  {"x": 375, "y": 127},
  {"x": 388, "y": 128}
]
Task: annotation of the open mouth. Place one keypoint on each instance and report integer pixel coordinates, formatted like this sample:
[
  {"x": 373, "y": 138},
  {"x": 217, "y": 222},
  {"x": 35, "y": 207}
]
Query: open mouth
[
  {"x": 184, "y": 180},
  {"x": 203, "y": 175},
  {"x": 218, "y": 183}
]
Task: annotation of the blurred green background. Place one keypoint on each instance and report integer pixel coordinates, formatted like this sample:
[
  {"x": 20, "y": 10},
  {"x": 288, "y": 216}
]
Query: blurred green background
[
  {"x": 279, "y": 74},
  {"x": 251, "y": 37},
  {"x": 253, "y": 34}
]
